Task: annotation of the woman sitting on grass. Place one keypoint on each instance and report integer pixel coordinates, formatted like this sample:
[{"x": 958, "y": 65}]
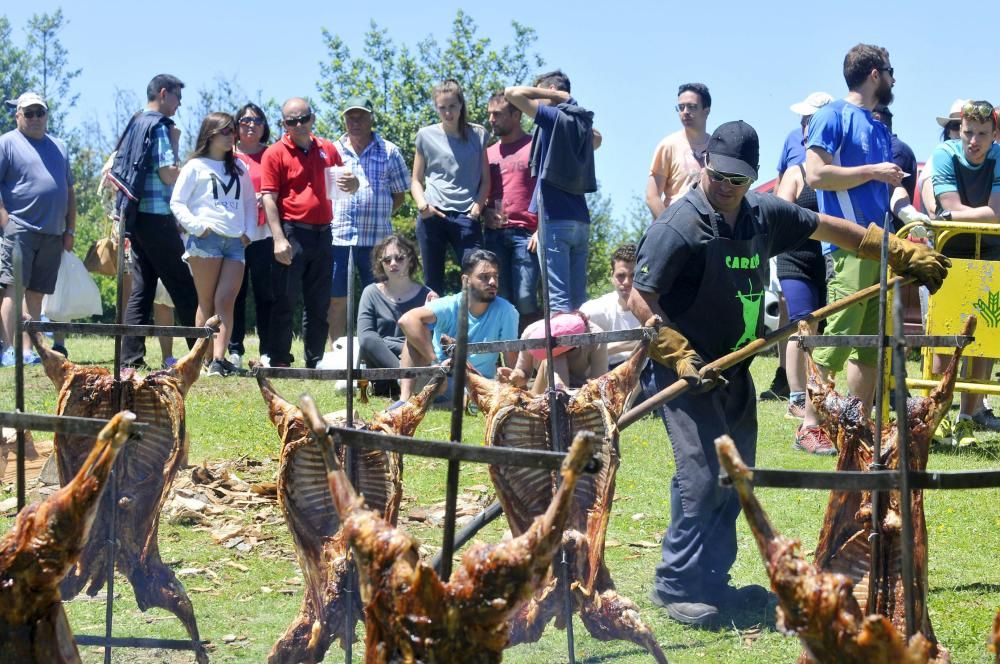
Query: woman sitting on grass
[
  {"x": 383, "y": 303},
  {"x": 214, "y": 201}
]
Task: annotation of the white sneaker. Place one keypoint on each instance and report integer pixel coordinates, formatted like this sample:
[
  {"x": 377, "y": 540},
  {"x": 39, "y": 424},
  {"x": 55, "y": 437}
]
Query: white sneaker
[
  {"x": 265, "y": 360},
  {"x": 236, "y": 360}
]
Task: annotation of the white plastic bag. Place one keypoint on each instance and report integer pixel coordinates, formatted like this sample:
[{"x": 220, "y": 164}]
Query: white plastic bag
[{"x": 76, "y": 294}]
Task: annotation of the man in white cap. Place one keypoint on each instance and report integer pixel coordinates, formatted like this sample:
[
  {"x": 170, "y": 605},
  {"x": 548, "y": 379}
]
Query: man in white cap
[
  {"x": 362, "y": 219},
  {"x": 37, "y": 213},
  {"x": 950, "y": 130},
  {"x": 794, "y": 150}
]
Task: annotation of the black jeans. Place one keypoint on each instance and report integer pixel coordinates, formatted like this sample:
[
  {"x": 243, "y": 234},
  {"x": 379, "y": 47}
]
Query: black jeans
[
  {"x": 259, "y": 261},
  {"x": 156, "y": 254},
  {"x": 310, "y": 273}
]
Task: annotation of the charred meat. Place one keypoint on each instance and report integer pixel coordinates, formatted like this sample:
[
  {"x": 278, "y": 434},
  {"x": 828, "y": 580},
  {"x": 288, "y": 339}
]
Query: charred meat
[{"x": 46, "y": 541}]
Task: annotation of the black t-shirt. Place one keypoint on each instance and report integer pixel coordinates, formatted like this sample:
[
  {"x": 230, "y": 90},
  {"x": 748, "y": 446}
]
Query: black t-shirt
[{"x": 671, "y": 257}]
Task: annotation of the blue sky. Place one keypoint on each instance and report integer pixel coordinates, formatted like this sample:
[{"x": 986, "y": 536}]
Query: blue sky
[{"x": 625, "y": 58}]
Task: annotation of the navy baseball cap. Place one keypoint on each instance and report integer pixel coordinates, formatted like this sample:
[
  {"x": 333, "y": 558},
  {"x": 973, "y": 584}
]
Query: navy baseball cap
[{"x": 734, "y": 148}]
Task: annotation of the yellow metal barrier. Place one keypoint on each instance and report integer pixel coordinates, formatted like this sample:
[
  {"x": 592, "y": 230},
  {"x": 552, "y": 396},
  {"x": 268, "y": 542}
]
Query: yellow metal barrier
[{"x": 972, "y": 287}]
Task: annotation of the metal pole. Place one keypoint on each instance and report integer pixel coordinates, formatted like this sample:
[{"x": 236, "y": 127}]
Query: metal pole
[
  {"x": 349, "y": 464},
  {"x": 17, "y": 343},
  {"x": 458, "y": 360},
  {"x": 555, "y": 428},
  {"x": 875, "y": 537},
  {"x": 118, "y": 397},
  {"x": 902, "y": 443}
]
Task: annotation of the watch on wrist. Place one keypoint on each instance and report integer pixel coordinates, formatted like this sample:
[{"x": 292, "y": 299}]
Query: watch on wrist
[
  {"x": 946, "y": 215},
  {"x": 70, "y": 232}
]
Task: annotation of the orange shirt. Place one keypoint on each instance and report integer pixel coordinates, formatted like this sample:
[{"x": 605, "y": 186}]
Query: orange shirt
[{"x": 676, "y": 161}]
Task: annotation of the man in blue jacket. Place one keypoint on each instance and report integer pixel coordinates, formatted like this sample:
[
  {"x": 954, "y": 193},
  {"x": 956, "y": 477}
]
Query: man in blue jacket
[{"x": 562, "y": 158}]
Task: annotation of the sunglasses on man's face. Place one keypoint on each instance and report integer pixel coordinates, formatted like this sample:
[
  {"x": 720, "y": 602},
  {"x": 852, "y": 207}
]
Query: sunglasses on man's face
[
  {"x": 31, "y": 115},
  {"x": 301, "y": 120},
  {"x": 734, "y": 180}
]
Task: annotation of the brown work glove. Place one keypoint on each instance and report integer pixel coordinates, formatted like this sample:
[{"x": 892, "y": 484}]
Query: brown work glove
[
  {"x": 672, "y": 349},
  {"x": 916, "y": 260}
]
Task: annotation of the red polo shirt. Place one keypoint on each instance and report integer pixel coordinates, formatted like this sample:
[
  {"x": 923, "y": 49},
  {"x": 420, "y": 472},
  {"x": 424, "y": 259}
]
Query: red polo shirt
[{"x": 298, "y": 178}]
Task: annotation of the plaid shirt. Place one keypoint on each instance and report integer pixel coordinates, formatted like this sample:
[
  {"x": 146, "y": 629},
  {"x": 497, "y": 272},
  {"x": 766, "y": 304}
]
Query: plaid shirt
[
  {"x": 155, "y": 197},
  {"x": 365, "y": 217}
]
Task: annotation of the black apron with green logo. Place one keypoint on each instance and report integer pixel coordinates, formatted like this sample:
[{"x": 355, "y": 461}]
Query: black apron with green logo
[{"x": 699, "y": 547}]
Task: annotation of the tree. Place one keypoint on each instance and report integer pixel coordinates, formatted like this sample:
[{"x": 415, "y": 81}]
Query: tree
[
  {"x": 14, "y": 72},
  {"x": 399, "y": 83},
  {"x": 224, "y": 94},
  {"x": 48, "y": 62}
]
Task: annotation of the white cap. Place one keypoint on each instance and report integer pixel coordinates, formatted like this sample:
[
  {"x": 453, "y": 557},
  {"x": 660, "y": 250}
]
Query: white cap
[
  {"x": 811, "y": 104},
  {"x": 954, "y": 113},
  {"x": 27, "y": 99}
]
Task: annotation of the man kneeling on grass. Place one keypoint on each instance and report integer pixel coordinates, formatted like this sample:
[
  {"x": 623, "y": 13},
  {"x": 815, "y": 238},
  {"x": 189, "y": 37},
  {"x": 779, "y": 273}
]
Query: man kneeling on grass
[{"x": 491, "y": 318}]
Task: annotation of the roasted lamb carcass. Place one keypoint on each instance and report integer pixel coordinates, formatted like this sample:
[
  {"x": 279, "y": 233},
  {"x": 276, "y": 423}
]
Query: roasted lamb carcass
[
  {"x": 45, "y": 542},
  {"x": 516, "y": 418},
  {"x": 817, "y": 606},
  {"x": 304, "y": 496},
  {"x": 144, "y": 472},
  {"x": 411, "y": 615},
  {"x": 844, "y": 542}
]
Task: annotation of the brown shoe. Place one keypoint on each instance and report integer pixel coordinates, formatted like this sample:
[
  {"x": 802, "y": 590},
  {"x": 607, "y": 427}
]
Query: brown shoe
[
  {"x": 814, "y": 440},
  {"x": 796, "y": 411}
]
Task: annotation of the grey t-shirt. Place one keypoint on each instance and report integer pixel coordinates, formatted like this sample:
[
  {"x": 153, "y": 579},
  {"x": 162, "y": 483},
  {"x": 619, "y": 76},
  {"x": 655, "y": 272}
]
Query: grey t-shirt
[
  {"x": 453, "y": 168},
  {"x": 35, "y": 178}
]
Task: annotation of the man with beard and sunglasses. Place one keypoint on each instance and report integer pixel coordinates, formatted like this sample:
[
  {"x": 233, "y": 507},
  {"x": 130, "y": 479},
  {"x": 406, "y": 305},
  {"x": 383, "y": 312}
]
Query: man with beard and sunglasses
[
  {"x": 701, "y": 268},
  {"x": 491, "y": 318},
  {"x": 299, "y": 212},
  {"x": 850, "y": 165}
]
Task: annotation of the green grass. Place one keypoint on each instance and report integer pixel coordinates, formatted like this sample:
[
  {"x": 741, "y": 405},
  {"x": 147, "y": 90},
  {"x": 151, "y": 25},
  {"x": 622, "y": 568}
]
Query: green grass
[{"x": 227, "y": 420}]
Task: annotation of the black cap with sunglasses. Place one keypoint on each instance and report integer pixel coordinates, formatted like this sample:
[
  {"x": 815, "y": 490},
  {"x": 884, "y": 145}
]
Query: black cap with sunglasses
[{"x": 735, "y": 149}]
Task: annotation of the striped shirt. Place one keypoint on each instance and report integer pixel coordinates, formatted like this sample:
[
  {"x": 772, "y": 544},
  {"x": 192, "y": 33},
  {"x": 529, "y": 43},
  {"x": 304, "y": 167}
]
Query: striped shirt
[
  {"x": 365, "y": 218},
  {"x": 155, "y": 197}
]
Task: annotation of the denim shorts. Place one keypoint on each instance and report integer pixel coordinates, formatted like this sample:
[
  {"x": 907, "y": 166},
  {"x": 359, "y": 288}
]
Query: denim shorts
[{"x": 214, "y": 246}]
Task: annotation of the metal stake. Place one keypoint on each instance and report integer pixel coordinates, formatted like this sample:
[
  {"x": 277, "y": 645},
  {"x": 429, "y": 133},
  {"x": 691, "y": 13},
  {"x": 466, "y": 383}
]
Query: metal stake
[
  {"x": 902, "y": 444},
  {"x": 458, "y": 360},
  {"x": 555, "y": 426},
  {"x": 875, "y": 538},
  {"x": 349, "y": 464},
  {"x": 17, "y": 343}
]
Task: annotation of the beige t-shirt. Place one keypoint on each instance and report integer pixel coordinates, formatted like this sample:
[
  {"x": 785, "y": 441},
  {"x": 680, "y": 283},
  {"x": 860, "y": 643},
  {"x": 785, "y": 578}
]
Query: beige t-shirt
[{"x": 677, "y": 162}]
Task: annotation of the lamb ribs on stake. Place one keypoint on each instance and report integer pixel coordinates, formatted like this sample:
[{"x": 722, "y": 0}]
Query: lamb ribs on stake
[
  {"x": 144, "y": 472},
  {"x": 516, "y": 418},
  {"x": 844, "y": 542},
  {"x": 304, "y": 497},
  {"x": 818, "y": 606},
  {"x": 45, "y": 542},
  {"x": 411, "y": 615}
]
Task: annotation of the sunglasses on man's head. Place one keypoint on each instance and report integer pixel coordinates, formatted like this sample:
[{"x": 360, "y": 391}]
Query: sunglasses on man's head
[
  {"x": 301, "y": 120},
  {"x": 980, "y": 111},
  {"x": 31, "y": 115},
  {"x": 734, "y": 180}
]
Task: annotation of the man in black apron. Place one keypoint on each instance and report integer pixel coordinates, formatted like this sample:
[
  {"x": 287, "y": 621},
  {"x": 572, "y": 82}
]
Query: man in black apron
[
  {"x": 966, "y": 179},
  {"x": 701, "y": 268}
]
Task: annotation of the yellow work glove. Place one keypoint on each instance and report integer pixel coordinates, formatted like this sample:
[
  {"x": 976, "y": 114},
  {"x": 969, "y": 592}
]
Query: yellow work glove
[
  {"x": 672, "y": 349},
  {"x": 916, "y": 260}
]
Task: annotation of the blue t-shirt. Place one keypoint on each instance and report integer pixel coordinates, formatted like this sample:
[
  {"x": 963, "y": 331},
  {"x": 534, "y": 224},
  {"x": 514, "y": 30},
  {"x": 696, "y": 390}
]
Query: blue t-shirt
[
  {"x": 498, "y": 323},
  {"x": 35, "y": 178},
  {"x": 853, "y": 138},
  {"x": 793, "y": 152},
  {"x": 559, "y": 205},
  {"x": 943, "y": 168}
]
